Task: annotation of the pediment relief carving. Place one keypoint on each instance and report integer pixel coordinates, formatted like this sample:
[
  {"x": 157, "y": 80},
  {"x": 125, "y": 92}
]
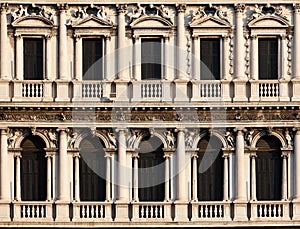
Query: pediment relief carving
[
  {"x": 32, "y": 16},
  {"x": 92, "y": 21},
  {"x": 268, "y": 16},
  {"x": 210, "y": 16},
  {"x": 150, "y": 16}
]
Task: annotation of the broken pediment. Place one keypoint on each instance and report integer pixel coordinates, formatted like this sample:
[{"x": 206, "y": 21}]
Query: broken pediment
[
  {"x": 151, "y": 22},
  {"x": 32, "y": 21},
  {"x": 91, "y": 21}
]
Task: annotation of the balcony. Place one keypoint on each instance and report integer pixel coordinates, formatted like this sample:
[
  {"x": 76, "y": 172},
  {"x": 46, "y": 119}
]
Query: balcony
[
  {"x": 151, "y": 211},
  {"x": 270, "y": 210},
  {"x": 91, "y": 211},
  {"x": 211, "y": 211}
]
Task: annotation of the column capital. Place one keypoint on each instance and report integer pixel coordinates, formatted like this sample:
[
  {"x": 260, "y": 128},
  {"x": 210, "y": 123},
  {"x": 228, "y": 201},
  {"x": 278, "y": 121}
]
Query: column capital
[
  {"x": 66, "y": 130},
  {"x": 296, "y": 130},
  {"x": 121, "y": 8},
  {"x": 48, "y": 37},
  {"x": 62, "y": 7},
  {"x": 135, "y": 154},
  {"x": 180, "y": 8},
  {"x": 253, "y": 36},
  {"x": 177, "y": 130},
  {"x": 4, "y": 130},
  {"x": 296, "y": 7},
  {"x": 4, "y": 7},
  {"x": 239, "y": 7},
  {"x": 121, "y": 130},
  {"x": 240, "y": 130}
]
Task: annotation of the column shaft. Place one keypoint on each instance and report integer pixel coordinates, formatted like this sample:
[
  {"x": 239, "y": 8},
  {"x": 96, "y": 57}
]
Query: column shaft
[
  {"x": 18, "y": 178},
  {"x": 108, "y": 190},
  {"x": 195, "y": 185},
  {"x": 4, "y": 167},
  {"x": 123, "y": 176},
  {"x": 254, "y": 58},
  {"x": 225, "y": 194},
  {"x": 253, "y": 178},
  {"x": 181, "y": 178},
  {"x": 19, "y": 58},
  {"x": 136, "y": 178},
  {"x": 296, "y": 39},
  {"x": 78, "y": 58},
  {"x": 48, "y": 58},
  {"x": 49, "y": 177},
  {"x": 4, "y": 68},
  {"x": 121, "y": 43},
  {"x": 239, "y": 43},
  {"x": 107, "y": 59},
  {"x": 240, "y": 184},
  {"x": 63, "y": 172},
  {"x": 63, "y": 44},
  {"x": 181, "y": 43},
  {"x": 284, "y": 178},
  {"x": 196, "y": 58},
  {"x": 167, "y": 179},
  {"x": 137, "y": 59},
  {"x": 76, "y": 180}
]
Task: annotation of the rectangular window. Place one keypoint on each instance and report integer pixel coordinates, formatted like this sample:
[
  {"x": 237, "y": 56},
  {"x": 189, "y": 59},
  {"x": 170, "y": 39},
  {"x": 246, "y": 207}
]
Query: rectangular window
[
  {"x": 210, "y": 58},
  {"x": 92, "y": 59},
  {"x": 33, "y": 59},
  {"x": 151, "y": 59},
  {"x": 268, "y": 58}
]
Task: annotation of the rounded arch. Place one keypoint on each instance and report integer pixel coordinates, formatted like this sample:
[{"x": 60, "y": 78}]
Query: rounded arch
[
  {"x": 143, "y": 22},
  {"x": 264, "y": 21},
  {"x": 83, "y": 135},
  {"x": 260, "y": 134},
  {"x": 23, "y": 136},
  {"x": 154, "y": 134},
  {"x": 213, "y": 133}
]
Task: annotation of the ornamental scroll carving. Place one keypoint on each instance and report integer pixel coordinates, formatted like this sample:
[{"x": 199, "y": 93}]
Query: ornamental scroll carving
[{"x": 33, "y": 10}]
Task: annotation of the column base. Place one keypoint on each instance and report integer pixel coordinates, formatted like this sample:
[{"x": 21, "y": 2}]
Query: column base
[
  {"x": 5, "y": 211},
  {"x": 62, "y": 91},
  {"x": 62, "y": 212},
  {"x": 181, "y": 212},
  {"x": 240, "y": 211},
  {"x": 122, "y": 212}
]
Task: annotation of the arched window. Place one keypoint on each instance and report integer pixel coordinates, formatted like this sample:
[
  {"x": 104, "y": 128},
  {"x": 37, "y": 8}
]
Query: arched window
[
  {"x": 92, "y": 170},
  {"x": 268, "y": 169},
  {"x": 210, "y": 180},
  {"x": 33, "y": 169},
  {"x": 151, "y": 172}
]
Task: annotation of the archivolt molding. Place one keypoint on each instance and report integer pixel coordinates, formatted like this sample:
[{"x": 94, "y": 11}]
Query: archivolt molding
[
  {"x": 262, "y": 133},
  {"x": 211, "y": 132},
  {"x": 161, "y": 134}
]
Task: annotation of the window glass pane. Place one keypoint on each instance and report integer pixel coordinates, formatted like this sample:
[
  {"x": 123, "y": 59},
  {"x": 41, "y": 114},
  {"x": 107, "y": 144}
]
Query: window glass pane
[
  {"x": 33, "y": 59},
  {"x": 151, "y": 59},
  {"x": 268, "y": 58},
  {"x": 92, "y": 59},
  {"x": 210, "y": 58}
]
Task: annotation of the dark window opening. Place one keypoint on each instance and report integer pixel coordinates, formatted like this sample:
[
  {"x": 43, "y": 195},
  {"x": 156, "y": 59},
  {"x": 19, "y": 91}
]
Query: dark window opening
[
  {"x": 33, "y": 59},
  {"x": 33, "y": 170},
  {"x": 268, "y": 169},
  {"x": 210, "y": 58},
  {"x": 210, "y": 180},
  {"x": 151, "y": 170},
  {"x": 151, "y": 59},
  {"x": 92, "y": 59},
  {"x": 92, "y": 170},
  {"x": 268, "y": 58}
]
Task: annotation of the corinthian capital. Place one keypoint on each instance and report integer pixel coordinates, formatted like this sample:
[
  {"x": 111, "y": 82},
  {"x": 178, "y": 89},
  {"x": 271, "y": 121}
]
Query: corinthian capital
[{"x": 239, "y": 8}]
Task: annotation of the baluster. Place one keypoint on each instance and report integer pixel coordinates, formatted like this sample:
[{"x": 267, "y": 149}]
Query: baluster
[
  {"x": 280, "y": 212},
  {"x": 259, "y": 210},
  {"x": 269, "y": 90},
  {"x": 219, "y": 90},
  {"x": 205, "y": 210},
  {"x": 156, "y": 211},
  {"x": 215, "y": 210},
  {"x": 207, "y": 90},
  {"x": 276, "y": 90},
  {"x": 221, "y": 211},
  {"x": 142, "y": 211},
  {"x": 160, "y": 91},
  {"x": 28, "y": 211},
  {"x": 215, "y": 90},
  {"x": 36, "y": 210},
  {"x": 265, "y": 210}
]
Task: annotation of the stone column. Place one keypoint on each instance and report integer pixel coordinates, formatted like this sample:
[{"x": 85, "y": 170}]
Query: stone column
[
  {"x": 253, "y": 176},
  {"x": 136, "y": 177},
  {"x": 196, "y": 58},
  {"x": 284, "y": 178},
  {"x": 78, "y": 58},
  {"x": 123, "y": 179},
  {"x": 296, "y": 54},
  {"x": 76, "y": 177},
  {"x": 63, "y": 64},
  {"x": 181, "y": 187},
  {"x": 284, "y": 78},
  {"x": 195, "y": 180},
  {"x": 240, "y": 201},
  {"x": 239, "y": 56},
  {"x": 48, "y": 57},
  {"x": 5, "y": 66},
  {"x": 254, "y": 58},
  {"x": 18, "y": 176},
  {"x": 225, "y": 181},
  {"x": 122, "y": 60},
  {"x": 167, "y": 177},
  {"x": 181, "y": 42},
  {"x": 108, "y": 176},
  {"x": 63, "y": 178},
  {"x": 49, "y": 176},
  {"x": 107, "y": 59},
  {"x": 296, "y": 198},
  {"x": 19, "y": 57}
]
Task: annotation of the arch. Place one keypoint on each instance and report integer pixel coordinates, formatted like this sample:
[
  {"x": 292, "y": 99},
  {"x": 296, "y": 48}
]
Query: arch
[
  {"x": 92, "y": 21},
  {"x": 215, "y": 133},
  {"x": 263, "y": 133},
  {"x": 21, "y": 138},
  {"x": 151, "y": 21},
  {"x": 85, "y": 134},
  {"x": 32, "y": 21},
  {"x": 154, "y": 134}
]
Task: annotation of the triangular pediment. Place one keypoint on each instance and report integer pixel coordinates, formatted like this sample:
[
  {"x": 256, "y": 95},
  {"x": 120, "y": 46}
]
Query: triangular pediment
[
  {"x": 269, "y": 21},
  {"x": 151, "y": 21},
  {"x": 92, "y": 21},
  {"x": 209, "y": 21},
  {"x": 32, "y": 21}
]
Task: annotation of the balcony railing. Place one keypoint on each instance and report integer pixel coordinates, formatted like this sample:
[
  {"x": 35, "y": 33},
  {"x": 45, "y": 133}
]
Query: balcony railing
[
  {"x": 33, "y": 210},
  {"x": 270, "y": 210},
  {"x": 151, "y": 90},
  {"x": 269, "y": 89},
  {"x": 92, "y": 89},
  {"x": 211, "y": 211},
  {"x": 158, "y": 211},
  {"x": 210, "y": 89},
  {"x": 32, "y": 89},
  {"x": 89, "y": 211}
]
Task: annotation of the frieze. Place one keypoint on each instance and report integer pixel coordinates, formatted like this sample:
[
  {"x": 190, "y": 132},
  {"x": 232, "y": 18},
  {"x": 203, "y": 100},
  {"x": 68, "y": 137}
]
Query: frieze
[{"x": 150, "y": 116}]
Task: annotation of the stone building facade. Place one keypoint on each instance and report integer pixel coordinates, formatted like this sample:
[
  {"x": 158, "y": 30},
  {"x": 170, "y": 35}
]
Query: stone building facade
[{"x": 149, "y": 114}]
